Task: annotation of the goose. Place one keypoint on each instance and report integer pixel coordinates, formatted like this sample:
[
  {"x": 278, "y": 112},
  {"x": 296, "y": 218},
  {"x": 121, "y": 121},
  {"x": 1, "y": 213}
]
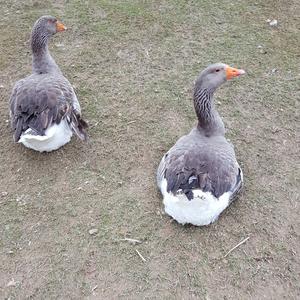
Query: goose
[
  {"x": 200, "y": 176},
  {"x": 44, "y": 109}
]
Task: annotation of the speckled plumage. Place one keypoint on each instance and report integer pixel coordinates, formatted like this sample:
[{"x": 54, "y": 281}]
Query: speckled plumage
[{"x": 211, "y": 160}]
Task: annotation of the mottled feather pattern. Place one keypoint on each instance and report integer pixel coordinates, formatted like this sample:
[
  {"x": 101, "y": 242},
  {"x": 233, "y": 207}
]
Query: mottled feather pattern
[
  {"x": 198, "y": 162},
  {"x": 40, "y": 100}
]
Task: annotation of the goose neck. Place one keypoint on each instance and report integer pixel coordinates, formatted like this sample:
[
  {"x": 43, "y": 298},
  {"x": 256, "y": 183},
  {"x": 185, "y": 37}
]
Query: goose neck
[
  {"x": 204, "y": 106},
  {"x": 42, "y": 61},
  {"x": 209, "y": 120}
]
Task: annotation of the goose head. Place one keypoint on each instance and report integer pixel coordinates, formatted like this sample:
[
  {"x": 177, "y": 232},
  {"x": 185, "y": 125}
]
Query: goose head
[
  {"x": 43, "y": 29},
  {"x": 215, "y": 75},
  {"x": 48, "y": 26}
]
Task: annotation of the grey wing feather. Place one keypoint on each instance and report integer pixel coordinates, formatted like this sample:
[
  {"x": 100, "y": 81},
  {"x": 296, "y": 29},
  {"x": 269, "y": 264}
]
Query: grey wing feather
[
  {"x": 38, "y": 101},
  {"x": 211, "y": 167}
]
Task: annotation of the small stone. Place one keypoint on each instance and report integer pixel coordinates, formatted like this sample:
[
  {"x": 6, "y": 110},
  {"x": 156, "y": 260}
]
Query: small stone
[
  {"x": 4, "y": 194},
  {"x": 11, "y": 283},
  {"x": 93, "y": 231},
  {"x": 273, "y": 23}
]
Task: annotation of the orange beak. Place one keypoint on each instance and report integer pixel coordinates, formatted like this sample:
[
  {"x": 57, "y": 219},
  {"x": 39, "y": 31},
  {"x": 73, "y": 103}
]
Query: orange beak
[
  {"x": 60, "y": 26},
  {"x": 232, "y": 72}
]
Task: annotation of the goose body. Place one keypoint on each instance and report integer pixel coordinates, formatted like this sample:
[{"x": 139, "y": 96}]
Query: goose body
[
  {"x": 44, "y": 109},
  {"x": 199, "y": 176}
]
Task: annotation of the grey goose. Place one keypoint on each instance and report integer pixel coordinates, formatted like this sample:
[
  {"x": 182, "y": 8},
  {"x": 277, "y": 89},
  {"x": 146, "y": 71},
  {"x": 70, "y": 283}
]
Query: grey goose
[
  {"x": 44, "y": 109},
  {"x": 200, "y": 176}
]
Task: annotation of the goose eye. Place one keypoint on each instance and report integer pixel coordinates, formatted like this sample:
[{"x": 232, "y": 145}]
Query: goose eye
[{"x": 217, "y": 70}]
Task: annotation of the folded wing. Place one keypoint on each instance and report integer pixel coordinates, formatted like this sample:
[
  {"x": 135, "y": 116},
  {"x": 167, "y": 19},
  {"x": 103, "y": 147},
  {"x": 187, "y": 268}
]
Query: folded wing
[{"x": 39, "y": 101}]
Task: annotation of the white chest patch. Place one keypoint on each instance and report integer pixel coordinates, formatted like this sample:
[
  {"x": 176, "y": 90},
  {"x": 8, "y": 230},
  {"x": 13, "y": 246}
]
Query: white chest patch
[
  {"x": 203, "y": 209},
  {"x": 55, "y": 136}
]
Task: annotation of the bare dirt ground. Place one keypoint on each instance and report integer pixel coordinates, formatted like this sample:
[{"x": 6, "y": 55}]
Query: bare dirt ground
[{"x": 133, "y": 64}]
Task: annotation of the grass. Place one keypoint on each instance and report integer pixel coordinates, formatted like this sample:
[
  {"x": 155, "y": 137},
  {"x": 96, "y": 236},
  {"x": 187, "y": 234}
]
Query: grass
[{"x": 133, "y": 64}]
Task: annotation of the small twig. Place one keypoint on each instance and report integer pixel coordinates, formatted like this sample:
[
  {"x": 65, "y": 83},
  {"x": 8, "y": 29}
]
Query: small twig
[
  {"x": 94, "y": 288},
  {"x": 239, "y": 244},
  {"x": 134, "y": 241},
  {"x": 140, "y": 255},
  {"x": 131, "y": 122}
]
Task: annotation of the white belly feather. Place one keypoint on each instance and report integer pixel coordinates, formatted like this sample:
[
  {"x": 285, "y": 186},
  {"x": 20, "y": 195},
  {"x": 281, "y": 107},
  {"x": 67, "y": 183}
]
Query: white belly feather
[
  {"x": 55, "y": 136},
  {"x": 203, "y": 209}
]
